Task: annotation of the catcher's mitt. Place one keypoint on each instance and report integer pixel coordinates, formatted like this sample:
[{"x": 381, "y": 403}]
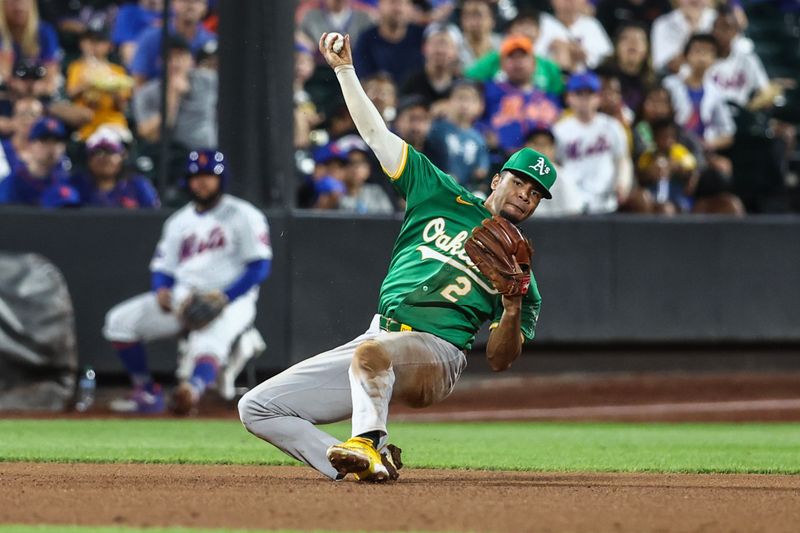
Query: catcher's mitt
[
  {"x": 200, "y": 309},
  {"x": 503, "y": 254}
]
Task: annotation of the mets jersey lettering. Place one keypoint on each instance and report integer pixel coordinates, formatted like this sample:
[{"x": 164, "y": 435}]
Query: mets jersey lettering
[
  {"x": 193, "y": 244},
  {"x": 210, "y": 250}
]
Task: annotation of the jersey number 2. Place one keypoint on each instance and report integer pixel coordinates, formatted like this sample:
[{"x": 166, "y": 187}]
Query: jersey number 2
[{"x": 460, "y": 288}]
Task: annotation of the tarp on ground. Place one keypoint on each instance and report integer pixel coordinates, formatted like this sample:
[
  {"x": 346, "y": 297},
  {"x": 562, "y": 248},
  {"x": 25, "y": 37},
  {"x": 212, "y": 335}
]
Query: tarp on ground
[{"x": 38, "y": 348}]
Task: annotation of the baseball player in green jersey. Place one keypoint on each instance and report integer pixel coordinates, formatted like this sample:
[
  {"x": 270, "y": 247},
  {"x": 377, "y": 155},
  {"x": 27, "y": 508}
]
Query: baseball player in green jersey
[{"x": 432, "y": 303}]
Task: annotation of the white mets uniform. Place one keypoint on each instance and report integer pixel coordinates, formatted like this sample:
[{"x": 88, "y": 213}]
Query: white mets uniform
[
  {"x": 589, "y": 153},
  {"x": 202, "y": 252},
  {"x": 739, "y": 75},
  {"x": 586, "y": 31}
]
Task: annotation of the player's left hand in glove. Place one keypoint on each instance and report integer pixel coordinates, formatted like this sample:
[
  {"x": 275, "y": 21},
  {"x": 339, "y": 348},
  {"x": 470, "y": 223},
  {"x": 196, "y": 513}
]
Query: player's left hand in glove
[
  {"x": 200, "y": 309},
  {"x": 503, "y": 254}
]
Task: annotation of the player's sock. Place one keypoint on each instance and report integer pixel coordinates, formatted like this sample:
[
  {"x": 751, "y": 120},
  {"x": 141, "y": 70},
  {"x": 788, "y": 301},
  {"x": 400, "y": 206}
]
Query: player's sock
[
  {"x": 134, "y": 359},
  {"x": 374, "y": 436},
  {"x": 204, "y": 374}
]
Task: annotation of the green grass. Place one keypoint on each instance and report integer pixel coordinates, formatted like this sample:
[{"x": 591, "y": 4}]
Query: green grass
[{"x": 541, "y": 446}]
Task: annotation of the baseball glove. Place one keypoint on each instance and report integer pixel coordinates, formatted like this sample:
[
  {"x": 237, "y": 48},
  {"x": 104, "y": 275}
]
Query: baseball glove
[
  {"x": 200, "y": 309},
  {"x": 503, "y": 254}
]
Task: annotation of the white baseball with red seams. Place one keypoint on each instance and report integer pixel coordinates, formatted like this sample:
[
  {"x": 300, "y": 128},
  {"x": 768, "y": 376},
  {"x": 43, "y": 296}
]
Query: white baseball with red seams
[{"x": 338, "y": 42}]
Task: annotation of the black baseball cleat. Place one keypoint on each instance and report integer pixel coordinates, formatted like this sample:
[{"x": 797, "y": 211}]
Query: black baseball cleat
[{"x": 390, "y": 457}]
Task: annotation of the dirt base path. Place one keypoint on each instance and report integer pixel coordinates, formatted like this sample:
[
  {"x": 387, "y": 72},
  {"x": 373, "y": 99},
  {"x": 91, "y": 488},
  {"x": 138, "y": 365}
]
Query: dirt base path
[{"x": 431, "y": 500}]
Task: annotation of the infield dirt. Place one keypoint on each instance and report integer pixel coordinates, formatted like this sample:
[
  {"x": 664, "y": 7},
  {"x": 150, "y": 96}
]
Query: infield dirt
[{"x": 428, "y": 500}]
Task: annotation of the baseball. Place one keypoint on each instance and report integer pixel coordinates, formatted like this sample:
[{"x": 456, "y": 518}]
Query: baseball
[{"x": 338, "y": 42}]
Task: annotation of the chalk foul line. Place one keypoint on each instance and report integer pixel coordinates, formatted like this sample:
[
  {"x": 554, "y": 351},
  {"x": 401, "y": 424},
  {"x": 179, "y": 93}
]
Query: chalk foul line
[{"x": 591, "y": 411}]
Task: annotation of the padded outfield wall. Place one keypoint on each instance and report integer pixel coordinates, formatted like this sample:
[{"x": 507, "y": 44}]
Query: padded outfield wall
[{"x": 604, "y": 281}]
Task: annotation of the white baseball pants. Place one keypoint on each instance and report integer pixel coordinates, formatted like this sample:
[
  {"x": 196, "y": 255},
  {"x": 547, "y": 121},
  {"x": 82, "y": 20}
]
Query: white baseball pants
[
  {"x": 140, "y": 319},
  {"x": 356, "y": 379}
]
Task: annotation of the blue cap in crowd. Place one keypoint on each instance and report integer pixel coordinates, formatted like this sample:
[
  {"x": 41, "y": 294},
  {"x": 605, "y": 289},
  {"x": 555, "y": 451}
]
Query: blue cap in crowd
[
  {"x": 329, "y": 185},
  {"x": 329, "y": 152},
  {"x": 47, "y": 128},
  {"x": 583, "y": 81}
]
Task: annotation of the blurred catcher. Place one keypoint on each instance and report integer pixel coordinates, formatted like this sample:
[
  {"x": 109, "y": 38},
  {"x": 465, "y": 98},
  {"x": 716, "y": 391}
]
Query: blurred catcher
[
  {"x": 206, "y": 271},
  {"x": 441, "y": 286}
]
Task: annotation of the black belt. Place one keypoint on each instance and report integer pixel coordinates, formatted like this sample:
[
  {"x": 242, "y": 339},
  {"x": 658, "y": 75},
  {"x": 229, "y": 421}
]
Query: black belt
[{"x": 390, "y": 324}]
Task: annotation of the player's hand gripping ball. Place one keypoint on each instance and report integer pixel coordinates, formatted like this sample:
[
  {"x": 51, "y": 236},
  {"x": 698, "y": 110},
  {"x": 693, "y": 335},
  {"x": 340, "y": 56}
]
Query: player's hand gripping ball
[
  {"x": 200, "y": 309},
  {"x": 336, "y": 49},
  {"x": 334, "y": 41},
  {"x": 503, "y": 254}
]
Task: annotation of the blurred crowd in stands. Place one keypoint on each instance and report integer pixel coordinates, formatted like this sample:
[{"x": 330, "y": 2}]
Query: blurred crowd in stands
[
  {"x": 647, "y": 106},
  {"x": 80, "y": 100},
  {"x": 652, "y": 106}
]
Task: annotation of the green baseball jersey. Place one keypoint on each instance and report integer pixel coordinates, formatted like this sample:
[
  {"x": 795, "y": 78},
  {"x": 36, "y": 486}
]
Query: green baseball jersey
[
  {"x": 432, "y": 285},
  {"x": 546, "y": 77}
]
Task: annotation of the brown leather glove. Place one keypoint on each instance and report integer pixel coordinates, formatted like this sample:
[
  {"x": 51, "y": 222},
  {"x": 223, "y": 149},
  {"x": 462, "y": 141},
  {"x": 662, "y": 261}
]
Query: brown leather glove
[
  {"x": 200, "y": 309},
  {"x": 503, "y": 254}
]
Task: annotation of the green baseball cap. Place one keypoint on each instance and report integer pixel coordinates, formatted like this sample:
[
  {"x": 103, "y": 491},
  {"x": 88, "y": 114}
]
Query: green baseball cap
[{"x": 534, "y": 165}]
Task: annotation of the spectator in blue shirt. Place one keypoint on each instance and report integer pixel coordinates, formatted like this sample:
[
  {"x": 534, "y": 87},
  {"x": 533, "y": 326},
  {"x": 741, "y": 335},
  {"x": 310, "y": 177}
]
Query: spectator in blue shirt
[
  {"x": 105, "y": 183},
  {"x": 467, "y": 153},
  {"x": 60, "y": 195},
  {"x": 186, "y": 24},
  {"x": 394, "y": 45},
  {"x": 133, "y": 19},
  {"x": 515, "y": 106},
  {"x": 24, "y": 38},
  {"x": 41, "y": 167}
]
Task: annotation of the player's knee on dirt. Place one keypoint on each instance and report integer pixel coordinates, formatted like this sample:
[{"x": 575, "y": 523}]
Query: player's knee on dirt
[
  {"x": 253, "y": 412},
  {"x": 258, "y": 409},
  {"x": 249, "y": 411},
  {"x": 370, "y": 359}
]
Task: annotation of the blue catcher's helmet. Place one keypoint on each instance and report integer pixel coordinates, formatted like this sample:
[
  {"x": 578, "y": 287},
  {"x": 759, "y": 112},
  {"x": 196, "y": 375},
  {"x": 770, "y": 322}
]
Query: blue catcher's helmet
[{"x": 206, "y": 162}]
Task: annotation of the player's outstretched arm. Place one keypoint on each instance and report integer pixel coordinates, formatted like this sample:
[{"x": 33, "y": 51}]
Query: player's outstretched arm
[
  {"x": 387, "y": 146},
  {"x": 505, "y": 341}
]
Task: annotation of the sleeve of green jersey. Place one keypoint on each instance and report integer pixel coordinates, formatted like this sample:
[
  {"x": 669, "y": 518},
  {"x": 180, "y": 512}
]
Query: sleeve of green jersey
[
  {"x": 417, "y": 178},
  {"x": 484, "y": 68},
  {"x": 552, "y": 73},
  {"x": 531, "y": 305}
]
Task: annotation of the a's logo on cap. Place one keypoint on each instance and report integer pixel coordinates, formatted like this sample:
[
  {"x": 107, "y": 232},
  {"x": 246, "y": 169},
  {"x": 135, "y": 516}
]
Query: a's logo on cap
[{"x": 540, "y": 166}]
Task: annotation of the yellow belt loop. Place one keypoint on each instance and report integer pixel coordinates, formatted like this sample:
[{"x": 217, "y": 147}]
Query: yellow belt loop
[{"x": 390, "y": 324}]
